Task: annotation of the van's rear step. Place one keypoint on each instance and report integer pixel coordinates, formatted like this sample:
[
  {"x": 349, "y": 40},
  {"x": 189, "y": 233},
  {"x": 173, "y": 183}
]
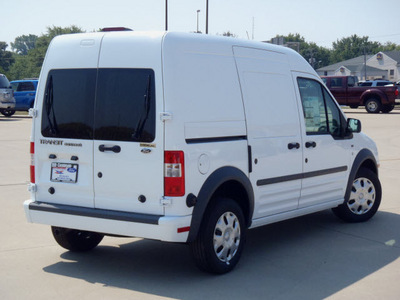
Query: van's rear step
[
  {"x": 157, "y": 227},
  {"x": 95, "y": 213}
]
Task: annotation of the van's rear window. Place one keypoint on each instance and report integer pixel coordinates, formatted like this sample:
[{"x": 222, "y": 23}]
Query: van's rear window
[{"x": 101, "y": 104}]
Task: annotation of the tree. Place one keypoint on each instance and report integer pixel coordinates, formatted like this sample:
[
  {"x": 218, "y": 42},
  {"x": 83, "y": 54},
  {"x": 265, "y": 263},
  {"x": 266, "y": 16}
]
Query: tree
[
  {"x": 22, "y": 68},
  {"x": 229, "y": 34},
  {"x": 24, "y": 43},
  {"x": 389, "y": 46},
  {"x": 352, "y": 46},
  {"x": 30, "y": 65},
  {"x": 6, "y": 58},
  {"x": 316, "y": 55}
]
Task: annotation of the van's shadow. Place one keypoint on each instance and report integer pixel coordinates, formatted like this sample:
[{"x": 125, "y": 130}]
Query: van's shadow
[
  {"x": 311, "y": 257},
  {"x": 364, "y": 112},
  {"x": 14, "y": 118}
]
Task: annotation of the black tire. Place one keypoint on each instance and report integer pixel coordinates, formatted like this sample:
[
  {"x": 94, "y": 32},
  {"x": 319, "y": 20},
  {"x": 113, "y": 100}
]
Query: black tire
[
  {"x": 373, "y": 105},
  {"x": 387, "y": 108},
  {"x": 353, "y": 106},
  {"x": 76, "y": 240},
  {"x": 224, "y": 224},
  {"x": 7, "y": 112},
  {"x": 364, "y": 199}
]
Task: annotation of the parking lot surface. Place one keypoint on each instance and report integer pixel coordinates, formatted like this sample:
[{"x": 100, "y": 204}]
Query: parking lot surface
[{"x": 312, "y": 257}]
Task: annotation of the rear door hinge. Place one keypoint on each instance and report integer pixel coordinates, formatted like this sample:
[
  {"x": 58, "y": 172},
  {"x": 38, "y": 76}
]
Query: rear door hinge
[
  {"x": 32, "y": 188},
  {"x": 165, "y": 116},
  {"x": 165, "y": 201}
]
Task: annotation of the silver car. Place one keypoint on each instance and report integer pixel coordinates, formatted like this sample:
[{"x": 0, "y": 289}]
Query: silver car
[{"x": 7, "y": 100}]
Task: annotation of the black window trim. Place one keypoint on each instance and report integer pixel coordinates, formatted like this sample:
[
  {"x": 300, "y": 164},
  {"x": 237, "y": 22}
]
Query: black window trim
[
  {"x": 152, "y": 80},
  {"x": 342, "y": 117}
]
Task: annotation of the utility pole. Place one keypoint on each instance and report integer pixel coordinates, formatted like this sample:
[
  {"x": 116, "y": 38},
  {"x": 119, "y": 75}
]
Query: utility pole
[
  {"x": 312, "y": 59},
  {"x": 206, "y": 16},
  {"x": 166, "y": 15},
  {"x": 365, "y": 64},
  {"x": 198, "y": 21}
]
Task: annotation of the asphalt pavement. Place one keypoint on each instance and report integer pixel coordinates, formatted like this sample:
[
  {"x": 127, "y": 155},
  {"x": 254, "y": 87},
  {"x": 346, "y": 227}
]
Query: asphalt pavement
[{"x": 312, "y": 257}]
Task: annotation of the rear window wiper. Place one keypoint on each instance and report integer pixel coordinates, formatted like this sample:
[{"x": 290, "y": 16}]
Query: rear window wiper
[
  {"x": 143, "y": 118},
  {"x": 51, "y": 117}
]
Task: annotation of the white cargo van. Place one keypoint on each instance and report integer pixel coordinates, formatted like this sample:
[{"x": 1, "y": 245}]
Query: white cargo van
[{"x": 189, "y": 138}]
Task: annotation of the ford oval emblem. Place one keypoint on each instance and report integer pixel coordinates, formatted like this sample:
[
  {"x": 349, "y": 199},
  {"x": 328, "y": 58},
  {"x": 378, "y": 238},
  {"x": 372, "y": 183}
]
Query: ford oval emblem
[{"x": 145, "y": 150}]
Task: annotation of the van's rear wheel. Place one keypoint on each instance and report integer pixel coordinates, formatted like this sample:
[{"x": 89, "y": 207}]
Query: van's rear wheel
[
  {"x": 222, "y": 235},
  {"x": 364, "y": 199},
  {"x": 76, "y": 240}
]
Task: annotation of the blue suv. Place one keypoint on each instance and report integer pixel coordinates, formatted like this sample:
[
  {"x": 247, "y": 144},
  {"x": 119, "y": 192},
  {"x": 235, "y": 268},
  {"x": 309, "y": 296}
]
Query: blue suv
[{"x": 24, "y": 93}]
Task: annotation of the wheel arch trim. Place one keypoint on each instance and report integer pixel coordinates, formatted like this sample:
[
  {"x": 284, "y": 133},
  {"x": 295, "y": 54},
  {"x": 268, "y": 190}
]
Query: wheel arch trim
[
  {"x": 210, "y": 186},
  {"x": 362, "y": 157},
  {"x": 374, "y": 93}
]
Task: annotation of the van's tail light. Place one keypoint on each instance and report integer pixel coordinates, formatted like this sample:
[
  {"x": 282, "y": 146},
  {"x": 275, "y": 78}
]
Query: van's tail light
[
  {"x": 396, "y": 92},
  {"x": 32, "y": 167},
  {"x": 174, "y": 173}
]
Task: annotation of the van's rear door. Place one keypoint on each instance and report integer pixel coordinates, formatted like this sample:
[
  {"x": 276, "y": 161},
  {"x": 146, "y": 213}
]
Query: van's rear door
[
  {"x": 128, "y": 137},
  {"x": 63, "y": 128}
]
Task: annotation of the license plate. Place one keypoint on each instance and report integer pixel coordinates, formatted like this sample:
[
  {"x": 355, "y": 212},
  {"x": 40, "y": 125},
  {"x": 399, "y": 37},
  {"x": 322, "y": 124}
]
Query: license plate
[{"x": 62, "y": 172}]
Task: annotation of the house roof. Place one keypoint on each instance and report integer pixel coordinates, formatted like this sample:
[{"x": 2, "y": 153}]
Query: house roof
[
  {"x": 395, "y": 55},
  {"x": 357, "y": 61}
]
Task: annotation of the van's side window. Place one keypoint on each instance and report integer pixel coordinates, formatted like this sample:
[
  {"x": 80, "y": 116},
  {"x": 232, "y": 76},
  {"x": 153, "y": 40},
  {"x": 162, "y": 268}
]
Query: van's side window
[{"x": 321, "y": 114}]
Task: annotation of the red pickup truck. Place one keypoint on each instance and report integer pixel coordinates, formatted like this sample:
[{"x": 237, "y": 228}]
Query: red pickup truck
[{"x": 347, "y": 92}]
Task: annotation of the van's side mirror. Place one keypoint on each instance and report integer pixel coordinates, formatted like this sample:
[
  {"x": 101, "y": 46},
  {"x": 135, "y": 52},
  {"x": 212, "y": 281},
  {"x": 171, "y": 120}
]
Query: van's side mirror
[{"x": 353, "y": 125}]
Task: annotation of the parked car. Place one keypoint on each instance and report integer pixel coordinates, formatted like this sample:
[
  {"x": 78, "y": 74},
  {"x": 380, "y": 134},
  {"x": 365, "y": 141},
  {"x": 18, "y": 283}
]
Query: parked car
[
  {"x": 374, "y": 99},
  {"x": 375, "y": 83},
  {"x": 24, "y": 93},
  {"x": 189, "y": 138},
  {"x": 7, "y": 101}
]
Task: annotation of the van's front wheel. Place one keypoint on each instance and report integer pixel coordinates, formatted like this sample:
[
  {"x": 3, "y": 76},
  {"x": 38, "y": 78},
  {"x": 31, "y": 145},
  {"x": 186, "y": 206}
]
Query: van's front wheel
[
  {"x": 76, "y": 240},
  {"x": 364, "y": 199},
  {"x": 222, "y": 235}
]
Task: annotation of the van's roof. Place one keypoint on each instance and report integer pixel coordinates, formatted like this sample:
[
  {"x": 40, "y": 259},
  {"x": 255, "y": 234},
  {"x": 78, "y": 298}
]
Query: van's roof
[{"x": 210, "y": 43}]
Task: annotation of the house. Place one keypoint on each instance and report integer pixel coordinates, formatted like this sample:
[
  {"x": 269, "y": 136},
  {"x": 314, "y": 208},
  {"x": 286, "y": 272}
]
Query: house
[
  {"x": 388, "y": 61},
  {"x": 354, "y": 67},
  {"x": 383, "y": 65}
]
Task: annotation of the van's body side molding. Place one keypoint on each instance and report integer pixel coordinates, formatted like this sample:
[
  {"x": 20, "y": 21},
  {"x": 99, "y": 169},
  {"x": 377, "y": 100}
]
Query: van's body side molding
[
  {"x": 210, "y": 186},
  {"x": 216, "y": 139},
  {"x": 361, "y": 157}
]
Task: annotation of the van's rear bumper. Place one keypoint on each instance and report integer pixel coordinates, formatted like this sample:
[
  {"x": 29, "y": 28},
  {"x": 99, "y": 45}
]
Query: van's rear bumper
[{"x": 170, "y": 229}]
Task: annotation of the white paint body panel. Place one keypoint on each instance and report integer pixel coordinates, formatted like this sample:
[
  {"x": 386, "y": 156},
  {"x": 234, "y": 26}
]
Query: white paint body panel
[
  {"x": 240, "y": 92},
  {"x": 131, "y": 173},
  {"x": 273, "y": 123}
]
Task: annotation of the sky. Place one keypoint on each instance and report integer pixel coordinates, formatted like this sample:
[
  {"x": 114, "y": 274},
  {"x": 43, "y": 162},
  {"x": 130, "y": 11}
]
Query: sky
[{"x": 319, "y": 21}]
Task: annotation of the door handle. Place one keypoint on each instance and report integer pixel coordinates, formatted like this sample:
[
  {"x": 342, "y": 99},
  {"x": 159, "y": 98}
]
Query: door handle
[
  {"x": 311, "y": 144},
  {"x": 115, "y": 149},
  {"x": 293, "y": 146}
]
